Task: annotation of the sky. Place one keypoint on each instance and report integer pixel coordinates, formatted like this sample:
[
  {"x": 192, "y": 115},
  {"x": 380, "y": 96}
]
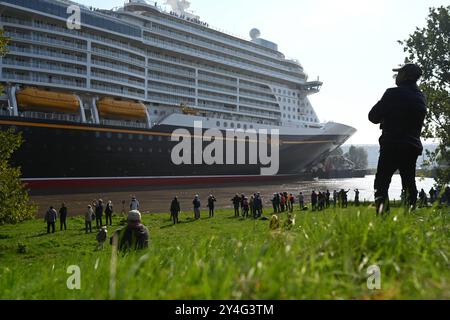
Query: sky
[{"x": 351, "y": 45}]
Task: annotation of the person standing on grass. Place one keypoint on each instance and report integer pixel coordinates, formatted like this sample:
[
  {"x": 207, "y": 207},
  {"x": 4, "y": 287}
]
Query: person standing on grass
[
  {"x": 236, "y": 202},
  {"x": 274, "y": 203},
  {"x": 291, "y": 202},
  {"x": 357, "y": 197},
  {"x": 99, "y": 214},
  {"x": 301, "y": 201},
  {"x": 135, "y": 236},
  {"x": 88, "y": 218},
  {"x": 246, "y": 207},
  {"x": 50, "y": 218},
  {"x": 258, "y": 205},
  {"x": 314, "y": 200},
  {"x": 175, "y": 210},
  {"x": 401, "y": 113},
  {"x": 63, "y": 217},
  {"x": 327, "y": 198},
  {"x": 432, "y": 194},
  {"x": 134, "y": 204},
  {"x": 197, "y": 204},
  {"x": 211, "y": 200},
  {"x": 109, "y": 212},
  {"x": 335, "y": 198},
  {"x": 422, "y": 198},
  {"x": 251, "y": 204}
]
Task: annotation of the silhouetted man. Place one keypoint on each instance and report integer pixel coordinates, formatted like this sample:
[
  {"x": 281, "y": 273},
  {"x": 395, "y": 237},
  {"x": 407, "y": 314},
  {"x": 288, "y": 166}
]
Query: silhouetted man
[{"x": 400, "y": 113}]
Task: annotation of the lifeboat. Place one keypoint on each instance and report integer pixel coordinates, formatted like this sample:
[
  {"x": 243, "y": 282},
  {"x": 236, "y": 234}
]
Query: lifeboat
[
  {"x": 187, "y": 110},
  {"x": 33, "y": 99},
  {"x": 121, "y": 109}
]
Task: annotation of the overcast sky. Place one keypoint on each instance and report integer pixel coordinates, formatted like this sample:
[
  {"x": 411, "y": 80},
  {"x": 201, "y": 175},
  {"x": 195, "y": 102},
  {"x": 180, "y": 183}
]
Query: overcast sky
[{"x": 350, "y": 44}]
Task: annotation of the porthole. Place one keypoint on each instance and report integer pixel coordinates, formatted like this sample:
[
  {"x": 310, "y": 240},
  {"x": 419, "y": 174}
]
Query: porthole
[
  {"x": 238, "y": 125},
  {"x": 232, "y": 125},
  {"x": 218, "y": 123},
  {"x": 225, "y": 124}
]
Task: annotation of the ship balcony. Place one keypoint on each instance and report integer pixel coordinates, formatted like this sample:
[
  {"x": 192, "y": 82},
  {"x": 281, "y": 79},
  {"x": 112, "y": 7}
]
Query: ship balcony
[
  {"x": 168, "y": 80},
  {"x": 211, "y": 46},
  {"x": 39, "y": 53},
  {"x": 216, "y": 58},
  {"x": 312, "y": 87}
]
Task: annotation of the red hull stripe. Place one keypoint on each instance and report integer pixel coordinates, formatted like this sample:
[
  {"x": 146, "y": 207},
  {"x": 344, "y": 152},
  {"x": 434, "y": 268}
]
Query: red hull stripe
[{"x": 150, "y": 181}]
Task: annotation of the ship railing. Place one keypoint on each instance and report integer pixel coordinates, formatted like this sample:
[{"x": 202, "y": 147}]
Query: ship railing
[
  {"x": 204, "y": 86},
  {"x": 13, "y": 48},
  {"x": 124, "y": 123},
  {"x": 49, "y": 116},
  {"x": 4, "y": 112},
  {"x": 99, "y": 62},
  {"x": 232, "y": 52},
  {"x": 155, "y": 77}
]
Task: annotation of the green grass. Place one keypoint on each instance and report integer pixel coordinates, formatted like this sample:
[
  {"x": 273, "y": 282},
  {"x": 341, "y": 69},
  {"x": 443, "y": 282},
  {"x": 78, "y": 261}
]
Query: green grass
[{"x": 325, "y": 256}]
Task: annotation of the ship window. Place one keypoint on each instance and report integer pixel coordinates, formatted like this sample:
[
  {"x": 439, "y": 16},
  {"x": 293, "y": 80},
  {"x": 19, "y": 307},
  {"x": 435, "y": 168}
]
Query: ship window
[
  {"x": 251, "y": 126},
  {"x": 238, "y": 125},
  {"x": 108, "y": 148},
  {"x": 130, "y": 149},
  {"x": 150, "y": 138},
  {"x": 245, "y": 127},
  {"x": 159, "y": 150},
  {"x": 159, "y": 138},
  {"x": 130, "y": 137},
  {"x": 289, "y": 108},
  {"x": 119, "y": 135},
  {"x": 279, "y": 90},
  {"x": 150, "y": 150},
  {"x": 232, "y": 125},
  {"x": 218, "y": 123},
  {"x": 140, "y": 137},
  {"x": 289, "y": 100},
  {"x": 225, "y": 124},
  {"x": 141, "y": 150},
  {"x": 119, "y": 149},
  {"x": 108, "y": 135}
]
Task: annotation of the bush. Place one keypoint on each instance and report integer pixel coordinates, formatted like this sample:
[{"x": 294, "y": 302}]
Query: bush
[{"x": 14, "y": 200}]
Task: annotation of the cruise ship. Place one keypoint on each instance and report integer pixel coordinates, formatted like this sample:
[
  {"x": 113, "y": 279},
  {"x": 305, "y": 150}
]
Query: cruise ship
[{"x": 97, "y": 102}]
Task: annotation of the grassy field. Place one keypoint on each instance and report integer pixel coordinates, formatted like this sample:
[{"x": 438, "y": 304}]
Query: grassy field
[{"x": 325, "y": 256}]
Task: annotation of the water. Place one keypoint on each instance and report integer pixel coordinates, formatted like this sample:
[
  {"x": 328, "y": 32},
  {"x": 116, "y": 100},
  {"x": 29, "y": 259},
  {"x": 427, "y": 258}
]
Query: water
[{"x": 157, "y": 200}]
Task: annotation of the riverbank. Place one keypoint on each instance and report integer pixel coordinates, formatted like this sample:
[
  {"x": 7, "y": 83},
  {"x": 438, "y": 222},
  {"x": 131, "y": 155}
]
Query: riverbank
[
  {"x": 157, "y": 199},
  {"x": 326, "y": 255}
]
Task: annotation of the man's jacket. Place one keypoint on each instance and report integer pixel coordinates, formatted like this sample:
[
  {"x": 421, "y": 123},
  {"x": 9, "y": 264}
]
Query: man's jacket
[{"x": 401, "y": 113}]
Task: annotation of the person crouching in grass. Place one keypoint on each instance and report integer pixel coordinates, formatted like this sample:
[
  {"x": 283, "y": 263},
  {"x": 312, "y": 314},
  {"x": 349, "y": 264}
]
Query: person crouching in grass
[{"x": 134, "y": 236}]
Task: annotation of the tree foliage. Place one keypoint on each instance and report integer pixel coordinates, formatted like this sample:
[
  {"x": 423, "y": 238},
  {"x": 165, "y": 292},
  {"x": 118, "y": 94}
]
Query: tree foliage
[
  {"x": 359, "y": 156},
  {"x": 429, "y": 47},
  {"x": 14, "y": 199},
  {"x": 3, "y": 50}
]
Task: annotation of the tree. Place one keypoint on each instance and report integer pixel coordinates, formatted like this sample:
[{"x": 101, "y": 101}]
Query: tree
[
  {"x": 359, "y": 156},
  {"x": 429, "y": 47},
  {"x": 3, "y": 50},
  {"x": 14, "y": 199}
]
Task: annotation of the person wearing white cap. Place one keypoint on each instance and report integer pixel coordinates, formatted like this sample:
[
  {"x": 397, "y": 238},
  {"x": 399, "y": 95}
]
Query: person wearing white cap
[{"x": 134, "y": 236}]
